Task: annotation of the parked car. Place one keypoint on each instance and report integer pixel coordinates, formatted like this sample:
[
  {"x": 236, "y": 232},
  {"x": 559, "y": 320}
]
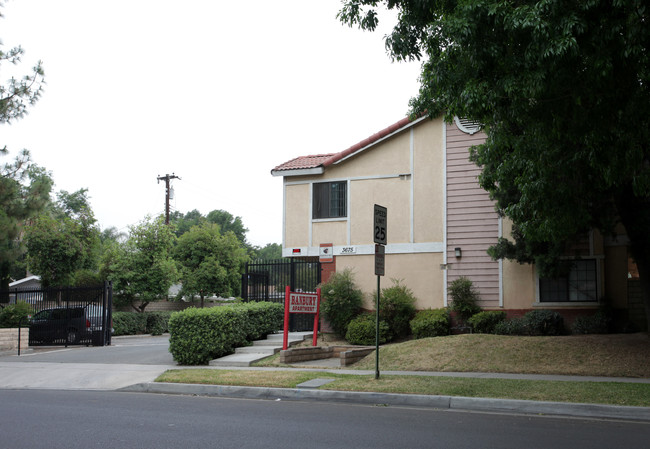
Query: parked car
[{"x": 73, "y": 325}]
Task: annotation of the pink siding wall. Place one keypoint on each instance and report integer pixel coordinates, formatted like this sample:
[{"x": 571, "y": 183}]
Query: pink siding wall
[{"x": 472, "y": 222}]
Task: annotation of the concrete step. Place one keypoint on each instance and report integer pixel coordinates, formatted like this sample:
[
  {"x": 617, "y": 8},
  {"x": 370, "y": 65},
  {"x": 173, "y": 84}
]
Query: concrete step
[
  {"x": 269, "y": 350},
  {"x": 238, "y": 360},
  {"x": 245, "y": 356}
]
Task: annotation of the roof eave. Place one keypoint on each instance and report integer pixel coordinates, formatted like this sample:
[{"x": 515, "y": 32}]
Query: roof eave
[{"x": 299, "y": 172}]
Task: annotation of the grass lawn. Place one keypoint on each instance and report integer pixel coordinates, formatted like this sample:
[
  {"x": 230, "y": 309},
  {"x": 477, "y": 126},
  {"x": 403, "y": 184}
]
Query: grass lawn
[{"x": 625, "y": 355}]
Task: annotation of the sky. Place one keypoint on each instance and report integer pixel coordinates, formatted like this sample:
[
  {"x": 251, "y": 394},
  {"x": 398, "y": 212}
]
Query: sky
[{"x": 217, "y": 93}]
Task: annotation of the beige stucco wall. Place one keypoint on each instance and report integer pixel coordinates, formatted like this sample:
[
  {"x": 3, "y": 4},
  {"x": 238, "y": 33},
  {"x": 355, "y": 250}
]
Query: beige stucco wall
[
  {"x": 335, "y": 232},
  {"x": 428, "y": 182},
  {"x": 374, "y": 178},
  {"x": 419, "y": 272},
  {"x": 298, "y": 220},
  {"x": 391, "y": 156},
  {"x": 519, "y": 281},
  {"x": 392, "y": 193},
  {"x": 519, "y": 285}
]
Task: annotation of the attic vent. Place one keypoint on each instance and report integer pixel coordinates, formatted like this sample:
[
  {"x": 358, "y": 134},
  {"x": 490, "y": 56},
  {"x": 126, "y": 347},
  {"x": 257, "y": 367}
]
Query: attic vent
[{"x": 467, "y": 126}]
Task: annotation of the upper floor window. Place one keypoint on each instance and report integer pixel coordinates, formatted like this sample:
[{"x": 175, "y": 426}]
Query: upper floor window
[
  {"x": 330, "y": 200},
  {"x": 579, "y": 284}
]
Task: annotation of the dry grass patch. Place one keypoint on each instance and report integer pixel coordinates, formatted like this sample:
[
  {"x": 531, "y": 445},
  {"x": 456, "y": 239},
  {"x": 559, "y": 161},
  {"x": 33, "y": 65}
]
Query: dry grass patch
[{"x": 624, "y": 355}]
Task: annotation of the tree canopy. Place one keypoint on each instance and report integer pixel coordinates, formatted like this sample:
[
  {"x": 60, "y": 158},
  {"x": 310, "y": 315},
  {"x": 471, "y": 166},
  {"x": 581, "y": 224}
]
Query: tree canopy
[
  {"x": 141, "y": 268},
  {"x": 211, "y": 262},
  {"x": 24, "y": 187},
  {"x": 17, "y": 94},
  {"x": 63, "y": 239},
  {"x": 562, "y": 90}
]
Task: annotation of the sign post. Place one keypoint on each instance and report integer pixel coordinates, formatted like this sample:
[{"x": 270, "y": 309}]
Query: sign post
[
  {"x": 295, "y": 302},
  {"x": 380, "y": 221}
]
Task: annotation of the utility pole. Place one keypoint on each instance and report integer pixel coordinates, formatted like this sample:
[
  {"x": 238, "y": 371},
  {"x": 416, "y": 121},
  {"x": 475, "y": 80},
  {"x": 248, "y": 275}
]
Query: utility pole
[{"x": 167, "y": 179}]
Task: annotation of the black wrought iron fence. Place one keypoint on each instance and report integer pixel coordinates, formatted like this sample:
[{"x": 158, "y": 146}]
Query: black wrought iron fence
[
  {"x": 266, "y": 280},
  {"x": 67, "y": 316}
]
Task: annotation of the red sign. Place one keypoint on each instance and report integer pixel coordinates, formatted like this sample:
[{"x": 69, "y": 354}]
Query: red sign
[
  {"x": 303, "y": 303},
  {"x": 295, "y": 302}
]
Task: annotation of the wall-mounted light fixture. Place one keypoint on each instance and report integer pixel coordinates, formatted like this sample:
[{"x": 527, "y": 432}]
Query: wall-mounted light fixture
[{"x": 458, "y": 252}]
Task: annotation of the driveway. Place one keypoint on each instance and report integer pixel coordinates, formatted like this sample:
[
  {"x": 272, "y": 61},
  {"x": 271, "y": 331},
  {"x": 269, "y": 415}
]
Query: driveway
[{"x": 129, "y": 360}]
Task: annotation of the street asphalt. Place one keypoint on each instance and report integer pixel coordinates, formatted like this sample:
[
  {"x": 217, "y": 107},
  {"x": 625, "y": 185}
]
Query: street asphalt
[{"x": 103, "y": 368}]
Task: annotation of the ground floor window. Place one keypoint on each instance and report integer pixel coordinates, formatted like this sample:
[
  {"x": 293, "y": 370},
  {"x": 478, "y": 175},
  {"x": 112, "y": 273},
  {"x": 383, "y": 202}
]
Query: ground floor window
[{"x": 579, "y": 284}]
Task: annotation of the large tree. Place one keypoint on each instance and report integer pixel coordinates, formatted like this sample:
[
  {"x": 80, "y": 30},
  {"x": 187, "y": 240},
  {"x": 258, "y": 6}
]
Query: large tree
[
  {"x": 24, "y": 193},
  {"x": 563, "y": 92},
  {"x": 227, "y": 222},
  {"x": 141, "y": 268},
  {"x": 212, "y": 262},
  {"x": 24, "y": 187},
  {"x": 63, "y": 239}
]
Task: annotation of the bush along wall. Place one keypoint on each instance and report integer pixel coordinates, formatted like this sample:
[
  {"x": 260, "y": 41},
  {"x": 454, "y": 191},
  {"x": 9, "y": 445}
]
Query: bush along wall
[
  {"x": 362, "y": 330},
  {"x": 200, "y": 335},
  {"x": 431, "y": 323},
  {"x": 133, "y": 323}
]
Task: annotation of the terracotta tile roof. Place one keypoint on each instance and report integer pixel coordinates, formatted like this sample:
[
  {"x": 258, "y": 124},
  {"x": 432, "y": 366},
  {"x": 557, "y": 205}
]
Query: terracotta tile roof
[
  {"x": 304, "y": 162},
  {"x": 325, "y": 160}
]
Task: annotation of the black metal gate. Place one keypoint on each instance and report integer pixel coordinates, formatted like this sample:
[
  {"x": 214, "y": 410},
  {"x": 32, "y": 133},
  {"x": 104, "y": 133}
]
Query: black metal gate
[
  {"x": 265, "y": 280},
  {"x": 67, "y": 316}
]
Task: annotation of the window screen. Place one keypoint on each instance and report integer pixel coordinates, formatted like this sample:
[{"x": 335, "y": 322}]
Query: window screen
[
  {"x": 330, "y": 200},
  {"x": 580, "y": 284}
]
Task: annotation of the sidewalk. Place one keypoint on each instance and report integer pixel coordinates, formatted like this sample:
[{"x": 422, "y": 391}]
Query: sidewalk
[{"x": 20, "y": 373}]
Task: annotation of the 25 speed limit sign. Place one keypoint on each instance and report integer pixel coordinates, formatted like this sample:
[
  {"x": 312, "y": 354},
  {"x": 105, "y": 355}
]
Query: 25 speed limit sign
[{"x": 380, "y": 224}]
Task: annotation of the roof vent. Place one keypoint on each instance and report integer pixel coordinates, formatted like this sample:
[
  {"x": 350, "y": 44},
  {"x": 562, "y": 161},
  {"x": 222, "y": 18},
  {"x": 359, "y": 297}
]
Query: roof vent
[{"x": 467, "y": 126}]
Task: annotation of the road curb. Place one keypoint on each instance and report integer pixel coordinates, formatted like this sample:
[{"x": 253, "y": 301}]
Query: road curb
[{"x": 597, "y": 411}]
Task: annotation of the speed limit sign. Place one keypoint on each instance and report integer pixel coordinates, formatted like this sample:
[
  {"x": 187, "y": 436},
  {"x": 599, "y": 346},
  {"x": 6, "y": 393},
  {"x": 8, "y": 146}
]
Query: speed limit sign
[{"x": 380, "y": 224}]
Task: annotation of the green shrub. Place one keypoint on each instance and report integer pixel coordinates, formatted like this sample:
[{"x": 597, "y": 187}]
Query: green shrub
[
  {"x": 535, "y": 322},
  {"x": 544, "y": 322},
  {"x": 430, "y": 323},
  {"x": 341, "y": 300},
  {"x": 129, "y": 323},
  {"x": 397, "y": 308},
  {"x": 514, "y": 326},
  {"x": 157, "y": 322},
  {"x": 464, "y": 298},
  {"x": 486, "y": 321},
  {"x": 362, "y": 330},
  {"x": 200, "y": 335},
  {"x": 263, "y": 318},
  {"x": 599, "y": 323},
  {"x": 13, "y": 315}
]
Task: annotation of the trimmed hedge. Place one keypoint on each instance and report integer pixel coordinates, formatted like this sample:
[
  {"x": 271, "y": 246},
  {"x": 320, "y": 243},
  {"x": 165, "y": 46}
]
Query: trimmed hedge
[
  {"x": 430, "y": 323},
  {"x": 599, "y": 323},
  {"x": 361, "y": 331},
  {"x": 544, "y": 322},
  {"x": 133, "y": 323},
  {"x": 535, "y": 322},
  {"x": 200, "y": 335},
  {"x": 486, "y": 321},
  {"x": 263, "y": 318}
]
